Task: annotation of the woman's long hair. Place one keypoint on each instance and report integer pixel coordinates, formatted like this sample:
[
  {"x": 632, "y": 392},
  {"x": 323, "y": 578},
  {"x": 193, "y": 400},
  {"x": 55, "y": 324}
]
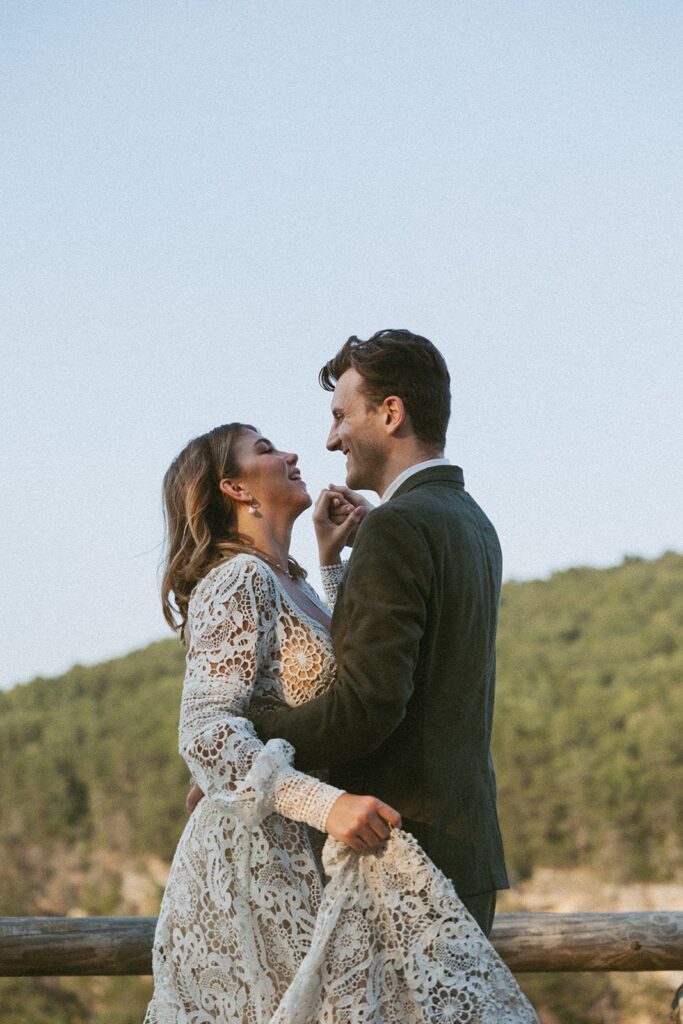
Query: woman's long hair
[{"x": 201, "y": 521}]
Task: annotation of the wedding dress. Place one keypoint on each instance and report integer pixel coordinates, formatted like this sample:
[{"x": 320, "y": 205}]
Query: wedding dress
[{"x": 250, "y": 931}]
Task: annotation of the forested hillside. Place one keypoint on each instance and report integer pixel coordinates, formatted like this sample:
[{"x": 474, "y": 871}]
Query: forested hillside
[
  {"x": 587, "y": 746},
  {"x": 589, "y": 719}
]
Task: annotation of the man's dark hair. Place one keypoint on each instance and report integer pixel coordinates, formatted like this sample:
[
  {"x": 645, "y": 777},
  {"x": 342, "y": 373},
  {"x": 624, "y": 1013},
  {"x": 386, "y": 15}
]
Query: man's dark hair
[{"x": 398, "y": 362}]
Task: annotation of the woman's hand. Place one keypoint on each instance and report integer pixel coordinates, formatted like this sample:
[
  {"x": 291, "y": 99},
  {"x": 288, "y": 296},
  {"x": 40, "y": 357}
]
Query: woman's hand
[
  {"x": 337, "y": 515},
  {"x": 362, "y": 822},
  {"x": 335, "y": 521},
  {"x": 346, "y": 497}
]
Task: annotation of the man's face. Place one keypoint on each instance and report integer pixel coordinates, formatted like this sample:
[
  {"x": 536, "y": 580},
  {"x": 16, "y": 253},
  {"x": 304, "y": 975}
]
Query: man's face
[{"x": 359, "y": 433}]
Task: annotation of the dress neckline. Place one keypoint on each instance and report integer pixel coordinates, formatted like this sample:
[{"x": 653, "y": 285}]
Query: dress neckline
[{"x": 293, "y": 605}]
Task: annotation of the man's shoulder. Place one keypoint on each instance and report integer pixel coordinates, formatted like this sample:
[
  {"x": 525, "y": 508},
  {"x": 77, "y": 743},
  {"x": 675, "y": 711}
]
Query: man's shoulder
[
  {"x": 390, "y": 533},
  {"x": 394, "y": 516},
  {"x": 413, "y": 512},
  {"x": 432, "y": 493},
  {"x": 443, "y": 515},
  {"x": 418, "y": 505}
]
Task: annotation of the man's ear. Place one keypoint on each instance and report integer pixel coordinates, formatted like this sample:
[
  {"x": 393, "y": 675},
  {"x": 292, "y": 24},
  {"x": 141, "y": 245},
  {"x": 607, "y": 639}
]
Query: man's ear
[
  {"x": 234, "y": 490},
  {"x": 395, "y": 415}
]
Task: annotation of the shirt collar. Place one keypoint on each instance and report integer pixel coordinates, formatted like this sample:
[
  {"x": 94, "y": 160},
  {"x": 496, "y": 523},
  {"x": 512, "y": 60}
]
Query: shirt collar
[{"x": 410, "y": 471}]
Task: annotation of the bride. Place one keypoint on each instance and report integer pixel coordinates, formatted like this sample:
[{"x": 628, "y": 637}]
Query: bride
[{"x": 256, "y": 926}]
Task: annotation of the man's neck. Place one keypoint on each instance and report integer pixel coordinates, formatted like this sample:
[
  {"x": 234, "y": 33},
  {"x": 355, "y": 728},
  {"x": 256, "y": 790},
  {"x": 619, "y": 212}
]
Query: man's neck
[{"x": 403, "y": 461}]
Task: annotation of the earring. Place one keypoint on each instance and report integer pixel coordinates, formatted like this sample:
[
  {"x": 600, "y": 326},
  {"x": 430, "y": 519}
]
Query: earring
[{"x": 253, "y": 506}]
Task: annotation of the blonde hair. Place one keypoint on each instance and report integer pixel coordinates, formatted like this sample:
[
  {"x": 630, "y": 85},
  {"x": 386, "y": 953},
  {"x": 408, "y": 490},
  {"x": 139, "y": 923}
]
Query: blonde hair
[{"x": 201, "y": 521}]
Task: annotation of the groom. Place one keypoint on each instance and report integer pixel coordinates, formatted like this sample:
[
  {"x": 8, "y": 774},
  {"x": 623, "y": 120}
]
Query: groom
[{"x": 414, "y": 627}]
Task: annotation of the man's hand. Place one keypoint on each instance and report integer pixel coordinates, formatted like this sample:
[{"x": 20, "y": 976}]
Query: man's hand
[
  {"x": 259, "y": 705},
  {"x": 345, "y": 497},
  {"x": 335, "y": 521},
  {"x": 193, "y": 797},
  {"x": 362, "y": 822}
]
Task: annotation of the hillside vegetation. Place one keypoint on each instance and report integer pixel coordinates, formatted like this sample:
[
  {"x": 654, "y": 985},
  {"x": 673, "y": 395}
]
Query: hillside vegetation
[
  {"x": 589, "y": 719},
  {"x": 588, "y": 753}
]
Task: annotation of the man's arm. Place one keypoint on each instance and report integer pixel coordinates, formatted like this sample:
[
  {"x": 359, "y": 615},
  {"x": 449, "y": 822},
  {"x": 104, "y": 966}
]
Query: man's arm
[{"x": 385, "y": 599}]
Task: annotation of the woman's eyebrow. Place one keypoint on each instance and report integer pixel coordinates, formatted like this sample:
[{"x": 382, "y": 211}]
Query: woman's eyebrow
[{"x": 263, "y": 440}]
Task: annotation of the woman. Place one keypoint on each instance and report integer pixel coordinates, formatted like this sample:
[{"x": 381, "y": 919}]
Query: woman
[{"x": 247, "y": 931}]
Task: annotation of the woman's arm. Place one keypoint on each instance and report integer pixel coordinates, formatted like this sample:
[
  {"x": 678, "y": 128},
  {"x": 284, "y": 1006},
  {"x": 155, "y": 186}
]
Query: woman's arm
[{"x": 231, "y": 621}]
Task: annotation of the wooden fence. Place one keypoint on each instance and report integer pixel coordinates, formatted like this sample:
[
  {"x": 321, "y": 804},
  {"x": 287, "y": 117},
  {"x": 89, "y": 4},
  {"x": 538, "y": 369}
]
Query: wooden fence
[{"x": 40, "y": 946}]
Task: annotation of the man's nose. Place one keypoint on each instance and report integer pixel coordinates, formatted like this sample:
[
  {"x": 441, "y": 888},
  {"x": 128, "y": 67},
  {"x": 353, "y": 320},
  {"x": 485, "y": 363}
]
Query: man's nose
[{"x": 332, "y": 442}]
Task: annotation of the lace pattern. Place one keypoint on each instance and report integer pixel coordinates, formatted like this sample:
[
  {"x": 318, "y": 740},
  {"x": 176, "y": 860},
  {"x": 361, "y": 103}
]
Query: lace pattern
[
  {"x": 247, "y": 933},
  {"x": 393, "y": 944},
  {"x": 231, "y": 646},
  {"x": 245, "y": 884},
  {"x": 331, "y": 576}
]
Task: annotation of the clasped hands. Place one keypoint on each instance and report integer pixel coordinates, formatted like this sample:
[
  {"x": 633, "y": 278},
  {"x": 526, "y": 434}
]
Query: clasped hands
[{"x": 337, "y": 514}]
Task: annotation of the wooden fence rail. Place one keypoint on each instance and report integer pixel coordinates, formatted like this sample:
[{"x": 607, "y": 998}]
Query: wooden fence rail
[{"x": 35, "y": 946}]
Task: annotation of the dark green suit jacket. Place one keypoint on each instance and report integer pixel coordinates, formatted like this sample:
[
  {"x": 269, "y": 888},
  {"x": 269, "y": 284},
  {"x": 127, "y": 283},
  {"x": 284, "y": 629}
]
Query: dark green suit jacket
[{"x": 409, "y": 717}]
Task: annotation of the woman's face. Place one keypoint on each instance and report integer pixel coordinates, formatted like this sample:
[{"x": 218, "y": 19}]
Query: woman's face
[{"x": 269, "y": 474}]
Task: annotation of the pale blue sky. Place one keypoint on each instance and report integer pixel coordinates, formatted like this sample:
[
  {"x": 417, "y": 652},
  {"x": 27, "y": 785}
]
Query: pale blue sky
[{"x": 201, "y": 201}]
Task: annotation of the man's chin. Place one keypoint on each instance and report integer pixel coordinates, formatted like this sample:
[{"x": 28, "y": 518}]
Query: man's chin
[{"x": 357, "y": 481}]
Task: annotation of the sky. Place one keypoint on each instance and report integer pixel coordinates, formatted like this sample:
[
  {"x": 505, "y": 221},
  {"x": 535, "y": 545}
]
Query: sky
[{"x": 202, "y": 201}]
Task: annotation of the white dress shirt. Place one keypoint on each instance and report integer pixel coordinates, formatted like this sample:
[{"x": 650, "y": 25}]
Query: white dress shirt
[{"x": 410, "y": 471}]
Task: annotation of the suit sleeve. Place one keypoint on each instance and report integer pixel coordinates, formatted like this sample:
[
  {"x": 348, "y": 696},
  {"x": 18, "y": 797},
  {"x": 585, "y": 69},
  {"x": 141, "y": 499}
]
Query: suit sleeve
[{"x": 385, "y": 597}]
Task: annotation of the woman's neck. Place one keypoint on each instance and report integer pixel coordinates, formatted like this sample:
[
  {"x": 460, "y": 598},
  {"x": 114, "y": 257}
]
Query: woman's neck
[{"x": 268, "y": 536}]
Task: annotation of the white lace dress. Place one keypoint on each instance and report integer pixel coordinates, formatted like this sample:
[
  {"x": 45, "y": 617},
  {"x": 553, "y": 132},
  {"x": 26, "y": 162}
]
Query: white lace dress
[{"x": 250, "y": 931}]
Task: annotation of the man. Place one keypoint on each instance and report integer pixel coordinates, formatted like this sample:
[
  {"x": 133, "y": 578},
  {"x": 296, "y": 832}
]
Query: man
[{"x": 414, "y": 625}]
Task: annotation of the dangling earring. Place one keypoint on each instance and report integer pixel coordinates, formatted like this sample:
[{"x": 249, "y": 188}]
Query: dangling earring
[{"x": 253, "y": 507}]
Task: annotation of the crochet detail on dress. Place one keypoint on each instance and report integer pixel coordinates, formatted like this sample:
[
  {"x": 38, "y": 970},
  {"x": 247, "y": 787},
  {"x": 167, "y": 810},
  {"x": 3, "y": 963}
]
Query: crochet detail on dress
[
  {"x": 394, "y": 944},
  {"x": 332, "y": 576},
  {"x": 232, "y": 623},
  {"x": 246, "y": 933}
]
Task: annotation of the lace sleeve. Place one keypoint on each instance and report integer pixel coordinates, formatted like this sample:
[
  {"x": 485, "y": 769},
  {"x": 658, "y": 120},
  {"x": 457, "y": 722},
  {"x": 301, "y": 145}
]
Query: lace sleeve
[
  {"x": 332, "y": 575},
  {"x": 231, "y": 618}
]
